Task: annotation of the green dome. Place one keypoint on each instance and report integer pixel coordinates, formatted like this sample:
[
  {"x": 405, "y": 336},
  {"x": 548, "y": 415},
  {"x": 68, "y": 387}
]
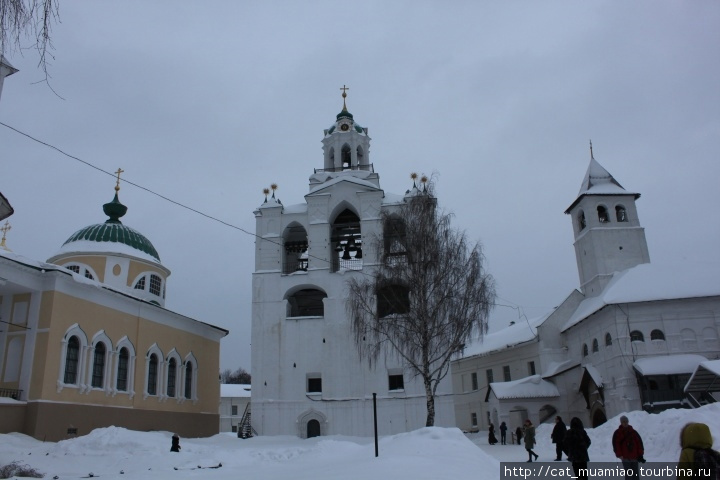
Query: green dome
[
  {"x": 114, "y": 233},
  {"x": 344, "y": 114}
]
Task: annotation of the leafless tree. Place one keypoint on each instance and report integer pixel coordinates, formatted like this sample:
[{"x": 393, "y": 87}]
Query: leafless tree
[
  {"x": 31, "y": 19},
  {"x": 429, "y": 296},
  {"x": 239, "y": 376}
]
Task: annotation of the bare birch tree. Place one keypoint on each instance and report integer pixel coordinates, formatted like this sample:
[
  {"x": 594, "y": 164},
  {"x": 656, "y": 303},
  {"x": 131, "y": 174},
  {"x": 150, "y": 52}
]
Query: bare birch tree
[{"x": 429, "y": 296}]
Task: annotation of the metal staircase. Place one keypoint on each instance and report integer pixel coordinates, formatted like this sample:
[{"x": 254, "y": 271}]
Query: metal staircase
[{"x": 245, "y": 428}]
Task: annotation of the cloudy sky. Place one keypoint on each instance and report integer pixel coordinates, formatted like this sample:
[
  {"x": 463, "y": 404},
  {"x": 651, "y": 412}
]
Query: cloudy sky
[{"x": 208, "y": 103}]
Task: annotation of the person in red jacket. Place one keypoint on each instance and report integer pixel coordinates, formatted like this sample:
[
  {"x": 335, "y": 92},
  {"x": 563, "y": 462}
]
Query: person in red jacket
[{"x": 628, "y": 447}]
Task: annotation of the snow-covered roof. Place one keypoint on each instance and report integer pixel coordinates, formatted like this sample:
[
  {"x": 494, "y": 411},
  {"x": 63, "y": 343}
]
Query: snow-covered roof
[
  {"x": 234, "y": 390},
  {"x": 599, "y": 181},
  {"x": 650, "y": 282},
  {"x": 521, "y": 332},
  {"x": 712, "y": 365},
  {"x": 529, "y": 387},
  {"x": 594, "y": 374},
  {"x": 555, "y": 368},
  {"x": 103, "y": 248},
  {"x": 668, "y": 364},
  {"x": 344, "y": 178}
]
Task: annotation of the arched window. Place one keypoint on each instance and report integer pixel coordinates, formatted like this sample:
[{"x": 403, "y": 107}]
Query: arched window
[
  {"x": 172, "y": 375},
  {"x": 657, "y": 335},
  {"x": 603, "y": 216},
  {"x": 595, "y": 345},
  {"x": 122, "y": 371},
  {"x": 360, "y": 155},
  {"x": 392, "y": 300},
  {"x": 346, "y": 242},
  {"x": 307, "y": 303},
  {"x": 155, "y": 284},
  {"x": 584, "y": 350},
  {"x": 140, "y": 284},
  {"x": 581, "y": 220},
  {"x": 608, "y": 340},
  {"x": 295, "y": 242},
  {"x": 346, "y": 157},
  {"x": 620, "y": 214},
  {"x": 394, "y": 241},
  {"x": 188, "y": 380},
  {"x": 152, "y": 375},
  {"x": 72, "y": 361},
  {"x": 98, "y": 372},
  {"x": 80, "y": 269},
  {"x": 636, "y": 336}
]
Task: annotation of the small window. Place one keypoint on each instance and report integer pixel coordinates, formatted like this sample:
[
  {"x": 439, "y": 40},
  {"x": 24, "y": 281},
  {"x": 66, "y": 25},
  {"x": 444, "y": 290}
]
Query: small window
[
  {"x": 531, "y": 368},
  {"x": 314, "y": 385},
  {"x": 608, "y": 340},
  {"x": 620, "y": 214},
  {"x": 636, "y": 336},
  {"x": 489, "y": 375},
  {"x": 73, "y": 268},
  {"x": 140, "y": 284},
  {"x": 473, "y": 419},
  {"x": 657, "y": 335},
  {"x": 152, "y": 375},
  {"x": 393, "y": 300},
  {"x": 474, "y": 381},
  {"x": 506, "y": 373},
  {"x": 188, "y": 380},
  {"x": 584, "y": 350},
  {"x": 122, "y": 373},
  {"x": 72, "y": 431},
  {"x": 172, "y": 375},
  {"x": 396, "y": 382},
  {"x": 71, "y": 360},
  {"x": 98, "y": 373},
  {"x": 595, "y": 345},
  {"x": 155, "y": 285},
  {"x": 603, "y": 216},
  {"x": 234, "y": 410},
  {"x": 581, "y": 220}
]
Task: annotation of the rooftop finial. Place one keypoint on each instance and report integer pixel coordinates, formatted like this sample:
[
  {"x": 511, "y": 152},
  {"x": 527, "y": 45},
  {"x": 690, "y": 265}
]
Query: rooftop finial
[
  {"x": 344, "y": 95},
  {"x": 117, "y": 185},
  {"x": 5, "y": 228},
  {"x": 591, "y": 152}
]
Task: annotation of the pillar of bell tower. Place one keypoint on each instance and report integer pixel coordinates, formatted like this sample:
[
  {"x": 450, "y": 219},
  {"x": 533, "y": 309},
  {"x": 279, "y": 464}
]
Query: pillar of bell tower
[{"x": 607, "y": 231}]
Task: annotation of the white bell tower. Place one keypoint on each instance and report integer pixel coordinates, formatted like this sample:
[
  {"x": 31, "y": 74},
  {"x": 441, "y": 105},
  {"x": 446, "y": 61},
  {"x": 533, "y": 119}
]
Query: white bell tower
[{"x": 608, "y": 235}]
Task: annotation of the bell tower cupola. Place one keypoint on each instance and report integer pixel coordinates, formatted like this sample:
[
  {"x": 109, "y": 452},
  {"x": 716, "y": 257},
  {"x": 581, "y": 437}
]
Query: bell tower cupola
[
  {"x": 346, "y": 145},
  {"x": 606, "y": 227}
]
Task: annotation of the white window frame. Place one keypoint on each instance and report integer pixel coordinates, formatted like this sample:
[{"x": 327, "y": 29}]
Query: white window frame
[
  {"x": 75, "y": 331},
  {"x": 159, "y": 384},
  {"x": 124, "y": 342},
  {"x": 179, "y": 373}
]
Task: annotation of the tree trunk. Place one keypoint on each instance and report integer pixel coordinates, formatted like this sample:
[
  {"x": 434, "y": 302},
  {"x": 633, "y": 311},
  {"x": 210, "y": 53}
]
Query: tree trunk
[{"x": 430, "y": 398}]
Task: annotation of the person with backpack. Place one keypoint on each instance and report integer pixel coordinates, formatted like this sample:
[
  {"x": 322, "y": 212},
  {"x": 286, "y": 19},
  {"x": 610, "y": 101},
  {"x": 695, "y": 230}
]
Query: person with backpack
[
  {"x": 628, "y": 447},
  {"x": 575, "y": 446},
  {"x": 696, "y": 442}
]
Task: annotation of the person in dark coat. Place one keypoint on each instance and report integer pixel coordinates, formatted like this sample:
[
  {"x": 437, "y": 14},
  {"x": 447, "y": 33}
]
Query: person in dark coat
[
  {"x": 492, "y": 439},
  {"x": 503, "y": 433},
  {"x": 575, "y": 446},
  {"x": 518, "y": 434},
  {"x": 529, "y": 434},
  {"x": 628, "y": 447},
  {"x": 557, "y": 436},
  {"x": 175, "y": 443}
]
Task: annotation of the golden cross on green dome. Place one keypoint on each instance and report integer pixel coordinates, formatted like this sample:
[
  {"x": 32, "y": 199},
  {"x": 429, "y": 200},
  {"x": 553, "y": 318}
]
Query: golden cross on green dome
[
  {"x": 117, "y": 185},
  {"x": 344, "y": 95}
]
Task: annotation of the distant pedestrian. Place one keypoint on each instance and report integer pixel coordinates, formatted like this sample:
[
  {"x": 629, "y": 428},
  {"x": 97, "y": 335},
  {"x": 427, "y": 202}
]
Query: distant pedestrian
[
  {"x": 557, "y": 436},
  {"x": 518, "y": 434},
  {"x": 529, "y": 434},
  {"x": 628, "y": 447},
  {"x": 503, "y": 433},
  {"x": 175, "y": 443},
  {"x": 492, "y": 439},
  {"x": 575, "y": 446}
]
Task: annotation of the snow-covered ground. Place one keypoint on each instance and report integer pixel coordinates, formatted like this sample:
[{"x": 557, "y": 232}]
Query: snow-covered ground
[{"x": 428, "y": 453}]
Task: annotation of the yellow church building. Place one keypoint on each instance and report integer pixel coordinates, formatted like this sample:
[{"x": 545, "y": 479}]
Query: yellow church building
[{"x": 85, "y": 341}]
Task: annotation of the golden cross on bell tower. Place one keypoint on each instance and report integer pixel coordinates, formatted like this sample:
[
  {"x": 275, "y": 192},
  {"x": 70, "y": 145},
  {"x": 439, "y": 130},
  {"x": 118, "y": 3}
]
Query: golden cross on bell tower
[
  {"x": 344, "y": 95},
  {"x": 117, "y": 185},
  {"x": 4, "y": 229},
  {"x": 591, "y": 152}
]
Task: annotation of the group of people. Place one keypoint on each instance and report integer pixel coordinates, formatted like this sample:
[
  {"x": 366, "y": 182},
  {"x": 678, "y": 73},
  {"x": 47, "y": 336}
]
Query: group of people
[{"x": 695, "y": 440}]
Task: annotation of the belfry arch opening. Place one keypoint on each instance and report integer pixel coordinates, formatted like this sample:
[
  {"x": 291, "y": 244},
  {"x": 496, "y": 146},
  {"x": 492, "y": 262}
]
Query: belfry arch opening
[
  {"x": 346, "y": 242},
  {"x": 346, "y": 157},
  {"x": 295, "y": 246}
]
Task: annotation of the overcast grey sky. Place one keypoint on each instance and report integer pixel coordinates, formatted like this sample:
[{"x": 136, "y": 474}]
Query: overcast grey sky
[{"x": 207, "y": 103}]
